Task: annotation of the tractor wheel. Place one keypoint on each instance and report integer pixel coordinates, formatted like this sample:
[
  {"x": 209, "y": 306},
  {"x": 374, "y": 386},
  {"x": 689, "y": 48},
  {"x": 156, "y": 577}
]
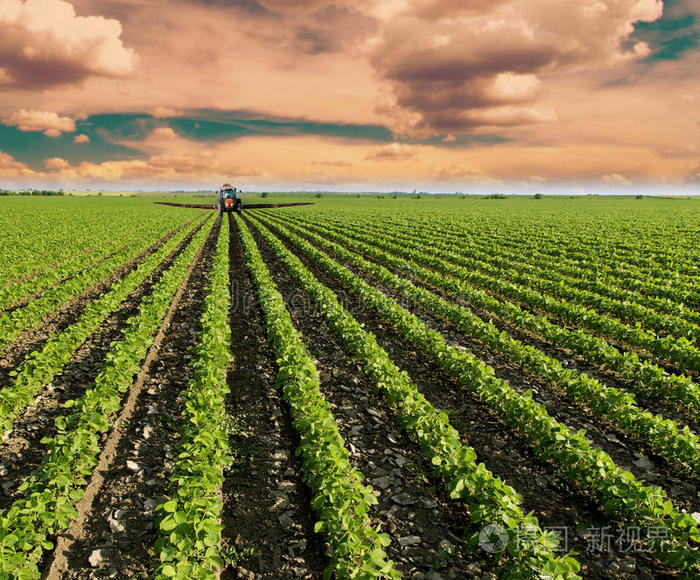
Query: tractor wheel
[{"x": 239, "y": 207}]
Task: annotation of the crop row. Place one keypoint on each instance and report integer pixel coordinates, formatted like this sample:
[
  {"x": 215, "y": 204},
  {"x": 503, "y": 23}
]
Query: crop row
[
  {"x": 661, "y": 435},
  {"x": 13, "y": 323},
  {"x": 36, "y": 241},
  {"x": 678, "y": 351},
  {"x": 488, "y": 498},
  {"x": 639, "y": 375},
  {"x": 585, "y": 272},
  {"x": 647, "y": 256},
  {"x": 340, "y": 499},
  {"x": 617, "y": 490},
  {"x": 190, "y": 532},
  {"x": 549, "y": 280},
  {"x": 487, "y": 260},
  {"x": 14, "y": 294},
  {"x": 596, "y": 289},
  {"x": 42, "y": 365},
  {"x": 50, "y": 494}
]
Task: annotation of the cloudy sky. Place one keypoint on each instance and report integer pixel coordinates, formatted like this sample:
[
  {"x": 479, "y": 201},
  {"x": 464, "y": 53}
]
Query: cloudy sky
[{"x": 441, "y": 95}]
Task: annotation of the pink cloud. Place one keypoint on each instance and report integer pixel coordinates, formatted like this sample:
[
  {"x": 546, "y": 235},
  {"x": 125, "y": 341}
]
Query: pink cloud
[
  {"x": 615, "y": 179},
  {"x": 81, "y": 139},
  {"x": 459, "y": 171},
  {"x": 293, "y": 5},
  {"x": 482, "y": 68},
  {"x": 51, "y": 124},
  {"x": 161, "y": 112},
  {"x": 56, "y": 164},
  {"x": 9, "y": 167},
  {"x": 44, "y": 43},
  {"x": 392, "y": 152}
]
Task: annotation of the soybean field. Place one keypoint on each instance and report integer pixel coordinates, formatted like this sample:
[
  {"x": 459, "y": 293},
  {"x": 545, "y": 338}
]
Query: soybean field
[{"x": 423, "y": 387}]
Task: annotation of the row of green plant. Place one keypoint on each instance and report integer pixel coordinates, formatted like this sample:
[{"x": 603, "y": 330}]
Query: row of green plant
[
  {"x": 341, "y": 500},
  {"x": 13, "y": 323},
  {"x": 550, "y": 282},
  {"x": 489, "y": 500},
  {"x": 34, "y": 240},
  {"x": 42, "y": 365},
  {"x": 588, "y": 267},
  {"x": 189, "y": 539},
  {"x": 14, "y": 294},
  {"x": 578, "y": 276},
  {"x": 646, "y": 256},
  {"x": 587, "y": 468},
  {"x": 640, "y": 376},
  {"x": 662, "y": 435},
  {"x": 50, "y": 494},
  {"x": 678, "y": 351},
  {"x": 23, "y": 270}
]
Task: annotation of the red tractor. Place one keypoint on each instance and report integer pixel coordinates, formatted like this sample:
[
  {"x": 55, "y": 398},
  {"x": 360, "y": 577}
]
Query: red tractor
[{"x": 229, "y": 199}]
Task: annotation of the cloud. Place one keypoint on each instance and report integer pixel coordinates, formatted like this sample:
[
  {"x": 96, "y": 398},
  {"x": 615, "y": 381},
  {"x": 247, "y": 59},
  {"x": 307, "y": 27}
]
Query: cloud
[
  {"x": 51, "y": 124},
  {"x": 332, "y": 29},
  {"x": 293, "y": 5},
  {"x": 44, "y": 43},
  {"x": 451, "y": 69},
  {"x": 616, "y": 179},
  {"x": 437, "y": 9},
  {"x": 9, "y": 167},
  {"x": 81, "y": 139},
  {"x": 673, "y": 35},
  {"x": 392, "y": 152},
  {"x": 338, "y": 163},
  {"x": 163, "y": 133},
  {"x": 164, "y": 112},
  {"x": 56, "y": 164},
  {"x": 460, "y": 172}
]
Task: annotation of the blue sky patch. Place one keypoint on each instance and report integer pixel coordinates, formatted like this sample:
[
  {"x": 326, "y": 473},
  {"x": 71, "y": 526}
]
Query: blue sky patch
[
  {"x": 108, "y": 132},
  {"x": 671, "y": 36}
]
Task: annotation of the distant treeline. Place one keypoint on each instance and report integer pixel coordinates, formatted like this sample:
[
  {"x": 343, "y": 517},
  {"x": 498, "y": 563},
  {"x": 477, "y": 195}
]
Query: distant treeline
[{"x": 37, "y": 192}]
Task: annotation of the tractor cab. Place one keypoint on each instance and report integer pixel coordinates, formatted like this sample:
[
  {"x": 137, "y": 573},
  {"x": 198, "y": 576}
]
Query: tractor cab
[{"x": 229, "y": 199}]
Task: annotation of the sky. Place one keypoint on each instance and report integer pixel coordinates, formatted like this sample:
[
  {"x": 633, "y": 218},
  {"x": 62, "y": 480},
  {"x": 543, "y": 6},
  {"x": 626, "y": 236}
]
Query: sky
[{"x": 516, "y": 96}]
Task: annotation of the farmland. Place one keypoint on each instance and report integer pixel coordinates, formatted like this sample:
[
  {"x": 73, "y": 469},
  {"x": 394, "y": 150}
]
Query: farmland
[{"x": 374, "y": 387}]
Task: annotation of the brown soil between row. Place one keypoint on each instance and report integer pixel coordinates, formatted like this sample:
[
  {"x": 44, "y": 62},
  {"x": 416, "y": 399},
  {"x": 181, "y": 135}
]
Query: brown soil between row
[
  {"x": 554, "y": 501},
  {"x": 21, "y": 450},
  {"x": 115, "y": 517}
]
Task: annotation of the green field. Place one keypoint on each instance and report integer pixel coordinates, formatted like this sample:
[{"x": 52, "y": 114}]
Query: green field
[{"x": 376, "y": 385}]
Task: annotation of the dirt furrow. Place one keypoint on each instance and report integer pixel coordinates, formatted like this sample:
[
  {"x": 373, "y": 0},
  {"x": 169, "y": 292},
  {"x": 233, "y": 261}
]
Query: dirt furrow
[
  {"x": 564, "y": 356},
  {"x": 425, "y": 525},
  {"x": 267, "y": 517},
  {"x": 22, "y": 451},
  {"x": 32, "y": 339},
  {"x": 626, "y": 452},
  {"x": 555, "y": 502},
  {"x": 115, "y": 532}
]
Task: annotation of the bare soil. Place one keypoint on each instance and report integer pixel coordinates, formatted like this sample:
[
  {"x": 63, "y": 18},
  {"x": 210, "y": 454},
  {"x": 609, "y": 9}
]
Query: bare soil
[
  {"x": 21, "y": 451},
  {"x": 116, "y": 525},
  {"x": 556, "y": 502}
]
